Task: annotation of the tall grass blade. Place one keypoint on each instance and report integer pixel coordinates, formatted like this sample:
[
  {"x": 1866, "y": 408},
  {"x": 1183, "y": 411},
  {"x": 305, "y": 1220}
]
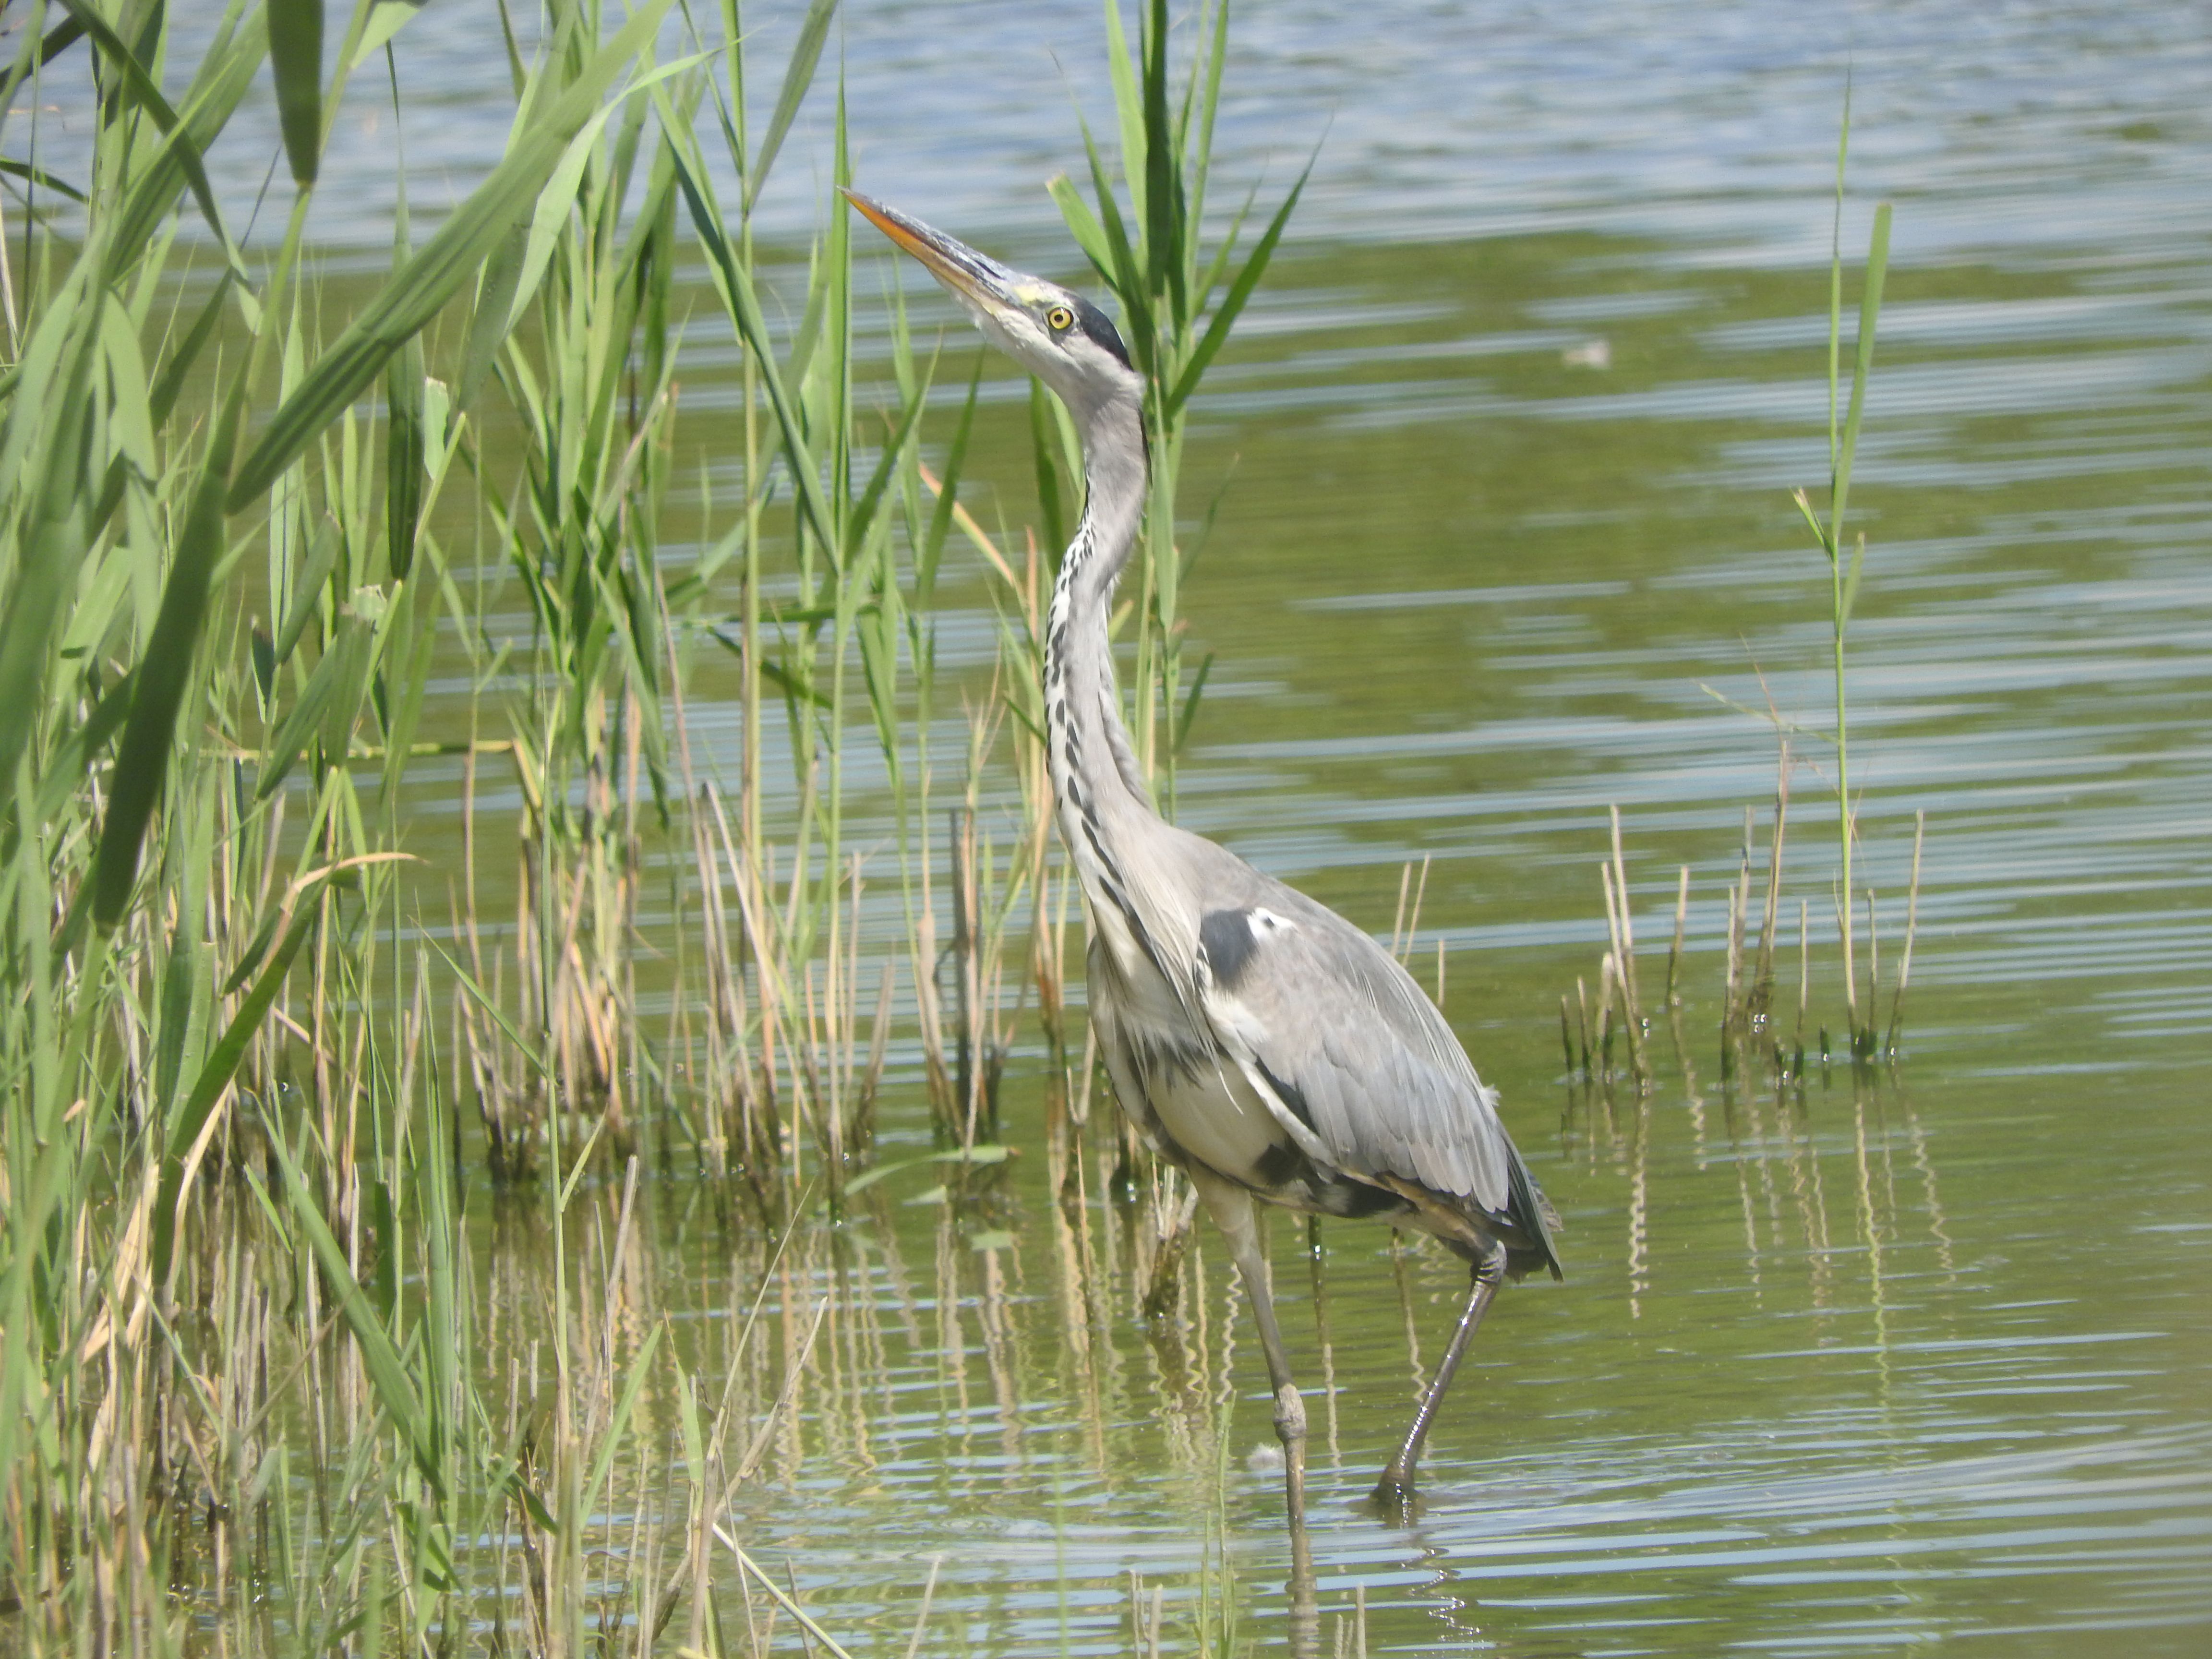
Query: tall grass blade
[
  {"x": 381, "y": 1357},
  {"x": 163, "y": 674},
  {"x": 295, "y": 58}
]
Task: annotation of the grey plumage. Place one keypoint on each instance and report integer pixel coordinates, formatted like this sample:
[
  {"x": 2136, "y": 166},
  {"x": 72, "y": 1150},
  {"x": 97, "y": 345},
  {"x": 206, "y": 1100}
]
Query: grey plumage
[{"x": 1261, "y": 1042}]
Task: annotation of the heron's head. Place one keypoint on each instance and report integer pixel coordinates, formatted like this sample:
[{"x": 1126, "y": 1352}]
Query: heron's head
[{"x": 1057, "y": 335}]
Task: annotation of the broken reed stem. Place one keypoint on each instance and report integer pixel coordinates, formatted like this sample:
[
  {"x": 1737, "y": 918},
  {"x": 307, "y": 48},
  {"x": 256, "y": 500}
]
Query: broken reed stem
[{"x": 1912, "y": 928}]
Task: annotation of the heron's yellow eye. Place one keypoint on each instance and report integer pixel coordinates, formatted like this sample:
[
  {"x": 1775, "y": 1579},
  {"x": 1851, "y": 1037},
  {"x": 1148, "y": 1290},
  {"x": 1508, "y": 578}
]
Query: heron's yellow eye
[{"x": 1059, "y": 319}]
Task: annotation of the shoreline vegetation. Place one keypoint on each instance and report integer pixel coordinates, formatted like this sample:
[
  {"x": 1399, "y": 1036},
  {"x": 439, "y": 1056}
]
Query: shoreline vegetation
[
  {"x": 268, "y": 1074},
  {"x": 1751, "y": 1025}
]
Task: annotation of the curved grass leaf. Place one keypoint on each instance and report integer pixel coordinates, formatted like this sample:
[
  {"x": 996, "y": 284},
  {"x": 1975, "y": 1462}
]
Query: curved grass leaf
[
  {"x": 39, "y": 177},
  {"x": 408, "y": 300},
  {"x": 980, "y": 1154}
]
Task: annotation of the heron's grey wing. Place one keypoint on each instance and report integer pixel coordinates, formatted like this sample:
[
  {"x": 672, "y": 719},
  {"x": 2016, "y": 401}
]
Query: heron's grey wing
[{"x": 1342, "y": 1037}]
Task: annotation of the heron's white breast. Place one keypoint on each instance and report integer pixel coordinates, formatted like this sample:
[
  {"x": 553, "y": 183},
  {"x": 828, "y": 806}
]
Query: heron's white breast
[{"x": 1214, "y": 1116}]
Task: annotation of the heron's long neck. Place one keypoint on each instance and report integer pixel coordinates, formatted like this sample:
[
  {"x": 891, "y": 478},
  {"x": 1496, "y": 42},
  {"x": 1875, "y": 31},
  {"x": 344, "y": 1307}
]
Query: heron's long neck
[{"x": 1096, "y": 783}]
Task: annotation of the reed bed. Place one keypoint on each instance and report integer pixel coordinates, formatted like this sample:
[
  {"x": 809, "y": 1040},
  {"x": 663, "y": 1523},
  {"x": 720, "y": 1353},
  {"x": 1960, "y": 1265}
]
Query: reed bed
[{"x": 270, "y": 1076}]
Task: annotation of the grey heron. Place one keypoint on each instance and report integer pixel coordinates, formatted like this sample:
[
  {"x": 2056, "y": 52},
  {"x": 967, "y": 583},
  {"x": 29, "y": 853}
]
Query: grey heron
[{"x": 1266, "y": 1045}]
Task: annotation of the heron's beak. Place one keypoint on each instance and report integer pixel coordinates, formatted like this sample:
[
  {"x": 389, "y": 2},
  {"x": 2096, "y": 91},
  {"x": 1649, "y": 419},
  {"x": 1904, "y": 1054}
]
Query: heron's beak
[{"x": 985, "y": 284}]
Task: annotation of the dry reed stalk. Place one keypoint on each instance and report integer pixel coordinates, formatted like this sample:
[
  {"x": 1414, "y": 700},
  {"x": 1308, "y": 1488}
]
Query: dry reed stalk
[
  {"x": 1674, "y": 951},
  {"x": 1583, "y": 1023},
  {"x": 1627, "y": 929},
  {"x": 1613, "y": 880},
  {"x": 1609, "y": 993},
  {"x": 1408, "y": 919}
]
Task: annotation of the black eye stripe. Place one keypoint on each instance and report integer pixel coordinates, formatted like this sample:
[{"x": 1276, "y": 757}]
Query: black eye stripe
[{"x": 1100, "y": 327}]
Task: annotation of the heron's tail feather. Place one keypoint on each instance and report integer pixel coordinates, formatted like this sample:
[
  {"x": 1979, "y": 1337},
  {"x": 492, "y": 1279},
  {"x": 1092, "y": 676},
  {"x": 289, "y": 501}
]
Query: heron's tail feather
[{"x": 1534, "y": 1218}]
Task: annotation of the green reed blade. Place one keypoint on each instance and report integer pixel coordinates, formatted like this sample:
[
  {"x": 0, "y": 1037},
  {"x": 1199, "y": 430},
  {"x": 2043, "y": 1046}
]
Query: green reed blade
[
  {"x": 1162, "y": 208},
  {"x": 372, "y": 28},
  {"x": 42, "y": 179},
  {"x": 332, "y": 691},
  {"x": 380, "y": 1357},
  {"x": 1090, "y": 235},
  {"x": 147, "y": 96},
  {"x": 403, "y": 387},
  {"x": 162, "y": 402},
  {"x": 307, "y": 581},
  {"x": 1877, "y": 267},
  {"x": 216, "y": 1073},
  {"x": 164, "y": 672},
  {"x": 1128, "y": 107},
  {"x": 862, "y": 512},
  {"x": 495, "y": 306},
  {"x": 1233, "y": 303},
  {"x": 1042, "y": 450},
  {"x": 797, "y": 77},
  {"x": 610, "y": 1437},
  {"x": 736, "y": 288},
  {"x": 407, "y": 302},
  {"x": 940, "y": 515},
  {"x": 295, "y": 59}
]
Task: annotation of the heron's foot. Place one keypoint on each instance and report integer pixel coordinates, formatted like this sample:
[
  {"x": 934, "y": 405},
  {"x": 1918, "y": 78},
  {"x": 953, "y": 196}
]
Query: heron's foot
[
  {"x": 1290, "y": 1417},
  {"x": 1394, "y": 1496}
]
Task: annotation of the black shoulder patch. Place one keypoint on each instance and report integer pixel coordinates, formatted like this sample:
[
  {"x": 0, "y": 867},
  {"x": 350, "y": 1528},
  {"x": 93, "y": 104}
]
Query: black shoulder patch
[
  {"x": 1226, "y": 938},
  {"x": 1100, "y": 327}
]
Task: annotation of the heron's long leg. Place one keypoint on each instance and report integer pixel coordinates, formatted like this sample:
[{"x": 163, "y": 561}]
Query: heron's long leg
[
  {"x": 1234, "y": 1213},
  {"x": 1395, "y": 1490}
]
